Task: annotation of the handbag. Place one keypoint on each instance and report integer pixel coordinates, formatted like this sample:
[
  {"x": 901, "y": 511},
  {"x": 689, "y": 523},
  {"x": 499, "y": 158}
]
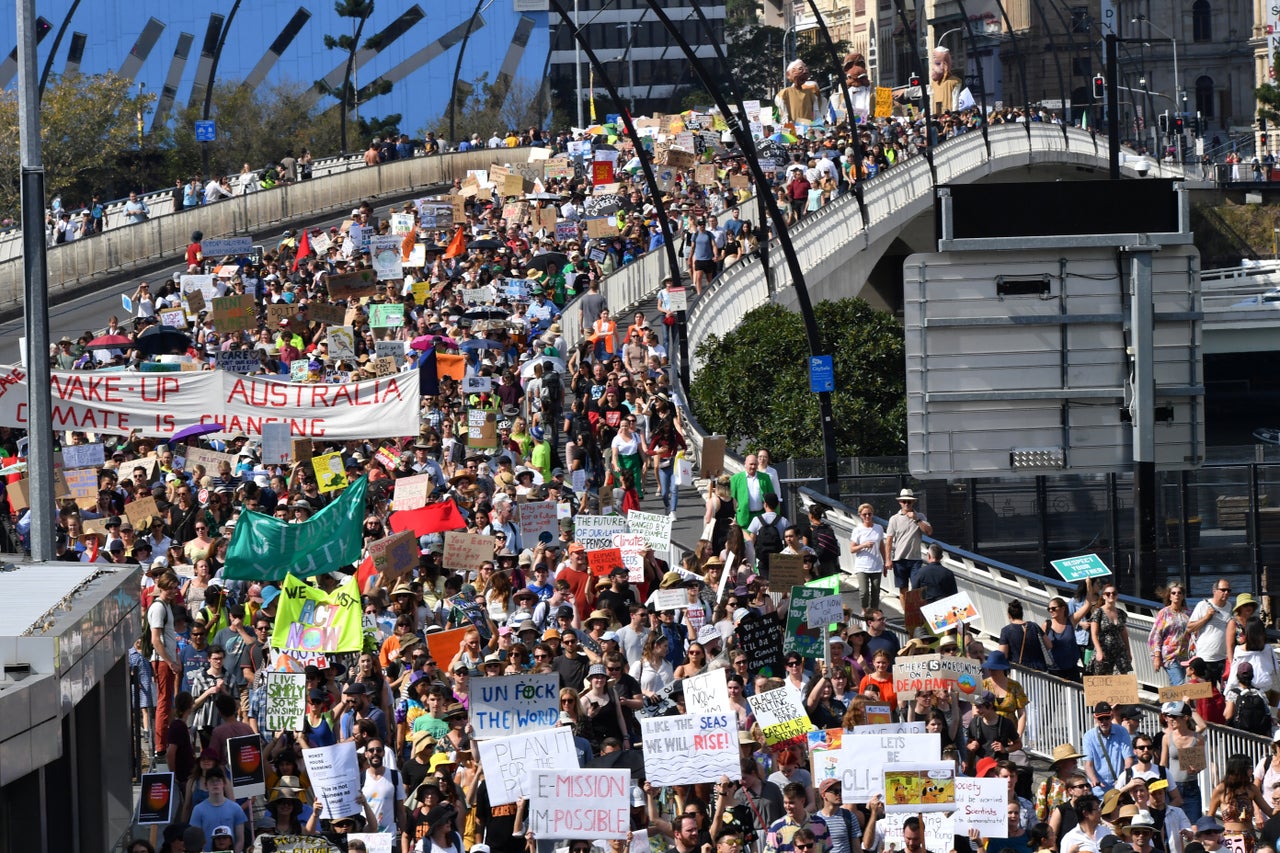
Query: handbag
[{"x": 684, "y": 471}]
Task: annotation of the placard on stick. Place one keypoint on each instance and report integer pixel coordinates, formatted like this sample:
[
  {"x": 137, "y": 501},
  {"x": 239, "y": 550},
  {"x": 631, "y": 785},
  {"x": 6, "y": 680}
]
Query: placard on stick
[
  {"x": 786, "y": 571},
  {"x": 1199, "y": 690},
  {"x": 393, "y": 556},
  {"x": 713, "y": 457},
  {"x": 1116, "y": 689}
]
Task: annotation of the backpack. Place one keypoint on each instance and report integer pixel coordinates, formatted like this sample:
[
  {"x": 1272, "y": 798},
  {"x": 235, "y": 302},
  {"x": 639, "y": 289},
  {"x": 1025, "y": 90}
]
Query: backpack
[
  {"x": 1252, "y": 713},
  {"x": 551, "y": 392},
  {"x": 768, "y": 541}
]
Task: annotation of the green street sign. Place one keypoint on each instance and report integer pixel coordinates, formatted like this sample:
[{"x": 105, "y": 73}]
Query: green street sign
[{"x": 1079, "y": 568}]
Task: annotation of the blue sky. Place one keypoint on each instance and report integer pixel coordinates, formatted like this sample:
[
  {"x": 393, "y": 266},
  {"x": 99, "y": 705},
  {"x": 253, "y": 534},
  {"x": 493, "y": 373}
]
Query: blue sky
[{"x": 113, "y": 26}]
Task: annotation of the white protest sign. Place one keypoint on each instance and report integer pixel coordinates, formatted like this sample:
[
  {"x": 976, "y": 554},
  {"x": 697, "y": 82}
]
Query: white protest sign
[
  {"x": 277, "y": 444},
  {"x": 632, "y": 546},
  {"x": 981, "y": 804},
  {"x": 670, "y": 599},
  {"x": 781, "y": 716},
  {"x": 538, "y": 523},
  {"x": 83, "y": 455},
  {"x": 335, "y": 778},
  {"x": 286, "y": 701},
  {"x": 690, "y": 748},
  {"x": 579, "y": 803},
  {"x": 707, "y": 693},
  {"x": 825, "y": 610},
  {"x": 374, "y": 842},
  {"x": 913, "y": 728},
  {"x": 508, "y": 761},
  {"x": 514, "y": 703},
  {"x": 477, "y": 384},
  {"x": 596, "y": 531},
  {"x": 411, "y": 492},
  {"x": 862, "y": 760},
  {"x": 946, "y": 613},
  {"x": 656, "y": 529},
  {"x": 937, "y": 830}
]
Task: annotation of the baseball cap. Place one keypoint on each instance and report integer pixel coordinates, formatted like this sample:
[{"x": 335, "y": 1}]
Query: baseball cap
[{"x": 1102, "y": 709}]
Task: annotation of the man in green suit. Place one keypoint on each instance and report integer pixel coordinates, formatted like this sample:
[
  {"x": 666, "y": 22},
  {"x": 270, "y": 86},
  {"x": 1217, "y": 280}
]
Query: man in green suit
[{"x": 748, "y": 489}]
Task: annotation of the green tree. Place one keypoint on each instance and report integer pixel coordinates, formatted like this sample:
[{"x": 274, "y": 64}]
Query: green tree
[
  {"x": 87, "y": 122},
  {"x": 359, "y": 12},
  {"x": 483, "y": 108},
  {"x": 742, "y": 13},
  {"x": 754, "y": 385},
  {"x": 241, "y": 113}
]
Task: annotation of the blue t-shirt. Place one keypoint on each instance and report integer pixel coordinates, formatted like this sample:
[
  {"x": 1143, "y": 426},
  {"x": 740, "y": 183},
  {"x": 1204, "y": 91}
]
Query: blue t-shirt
[{"x": 209, "y": 817}]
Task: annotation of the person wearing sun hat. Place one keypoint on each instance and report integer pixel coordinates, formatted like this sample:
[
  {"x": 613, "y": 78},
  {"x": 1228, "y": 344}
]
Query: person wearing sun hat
[
  {"x": 1054, "y": 790},
  {"x": 285, "y": 802}
]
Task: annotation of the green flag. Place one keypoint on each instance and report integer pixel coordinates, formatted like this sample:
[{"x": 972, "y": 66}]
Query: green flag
[
  {"x": 311, "y": 620},
  {"x": 264, "y": 548}
]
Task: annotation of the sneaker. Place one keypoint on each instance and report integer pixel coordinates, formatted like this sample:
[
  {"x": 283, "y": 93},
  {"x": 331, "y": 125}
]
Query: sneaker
[{"x": 671, "y": 514}]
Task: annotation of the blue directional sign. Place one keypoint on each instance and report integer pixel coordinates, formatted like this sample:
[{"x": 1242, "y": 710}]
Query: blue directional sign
[
  {"x": 822, "y": 373},
  {"x": 206, "y": 131}
]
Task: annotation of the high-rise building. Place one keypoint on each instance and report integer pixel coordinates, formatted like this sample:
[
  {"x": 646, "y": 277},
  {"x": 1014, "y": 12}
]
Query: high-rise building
[{"x": 639, "y": 55}]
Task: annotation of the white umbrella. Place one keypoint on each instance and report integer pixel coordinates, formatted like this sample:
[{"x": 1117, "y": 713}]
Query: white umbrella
[{"x": 546, "y": 361}]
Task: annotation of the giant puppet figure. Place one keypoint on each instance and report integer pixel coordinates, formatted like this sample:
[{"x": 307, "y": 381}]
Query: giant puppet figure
[
  {"x": 859, "y": 83},
  {"x": 795, "y": 102},
  {"x": 947, "y": 92}
]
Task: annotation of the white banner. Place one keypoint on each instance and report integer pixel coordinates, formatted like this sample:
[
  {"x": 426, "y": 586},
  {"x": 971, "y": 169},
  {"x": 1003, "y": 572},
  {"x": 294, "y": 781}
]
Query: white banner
[
  {"x": 509, "y": 761},
  {"x": 691, "y": 748},
  {"x": 335, "y": 777},
  {"x": 514, "y": 703},
  {"x": 579, "y": 803},
  {"x": 158, "y": 405}
]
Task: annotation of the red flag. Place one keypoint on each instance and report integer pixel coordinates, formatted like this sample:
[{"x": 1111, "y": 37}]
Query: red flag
[
  {"x": 457, "y": 245},
  {"x": 432, "y": 518},
  {"x": 304, "y": 249},
  {"x": 364, "y": 571}
]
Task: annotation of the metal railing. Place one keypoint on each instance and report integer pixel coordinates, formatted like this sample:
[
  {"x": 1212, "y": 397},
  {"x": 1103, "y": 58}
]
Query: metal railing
[
  {"x": 1057, "y": 714},
  {"x": 122, "y": 249}
]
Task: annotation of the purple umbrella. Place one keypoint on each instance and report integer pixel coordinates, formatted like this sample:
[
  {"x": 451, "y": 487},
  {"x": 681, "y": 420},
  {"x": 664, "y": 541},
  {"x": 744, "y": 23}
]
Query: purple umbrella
[{"x": 195, "y": 431}]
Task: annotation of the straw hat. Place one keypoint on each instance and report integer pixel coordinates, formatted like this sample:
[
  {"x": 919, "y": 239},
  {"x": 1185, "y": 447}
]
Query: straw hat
[
  {"x": 288, "y": 788},
  {"x": 1064, "y": 751}
]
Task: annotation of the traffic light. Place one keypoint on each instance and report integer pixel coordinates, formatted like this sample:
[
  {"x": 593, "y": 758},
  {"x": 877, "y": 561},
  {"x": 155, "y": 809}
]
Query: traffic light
[
  {"x": 1099, "y": 87},
  {"x": 1262, "y": 140},
  {"x": 913, "y": 80},
  {"x": 1177, "y": 125},
  {"x": 1163, "y": 121}
]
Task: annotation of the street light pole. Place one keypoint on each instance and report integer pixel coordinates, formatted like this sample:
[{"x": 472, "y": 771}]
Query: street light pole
[
  {"x": 631, "y": 66},
  {"x": 1179, "y": 94},
  {"x": 577, "y": 65}
]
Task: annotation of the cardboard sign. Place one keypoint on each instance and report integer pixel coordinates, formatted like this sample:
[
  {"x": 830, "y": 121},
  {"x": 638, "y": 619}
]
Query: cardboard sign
[
  {"x": 691, "y": 748},
  {"x": 466, "y": 551},
  {"x": 235, "y": 313},
  {"x": 760, "y": 638},
  {"x": 331, "y": 476},
  {"x": 352, "y": 285},
  {"x": 1199, "y": 690},
  {"x": 781, "y": 716},
  {"x": 912, "y": 600},
  {"x": 482, "y": 428},
  {"x": 713, "y": 460},
  {"x": 300, "y": 449},
  {"x": 670, "y": 599},
  {"x": 655, "y": 528},
  {"x": 538, "y": 523},
  {"x": 1192, "y": 758},
  {"x": 596, "y": 531},
  {"x": 140, "y": 510},
  {"x": 176, "y": 319},
  {"x": 342, "y": 342},
  {"x": 324, "y": 312},
  {"x": 511, "y": 704},
  {"x": 824, "y": 754},
  {"x": 278, "y": 311},
  {"x": 879, "y": 714},
  {"x": 411, "y": 492},
  {"x": 82, "y": 483},
  {"x": 605, "y": 228},
  {"x": 706, "y": 693},
  {"x": 919, "y": 673},
  {"x": 1116, "y": 689},
  {"x": 704, "y": 174},
  {"x": 286, "y": 701},
  {"x": 335, "y": 778},
  {"x": 394, "y": 556},
  {"x": 677, "y": 298},
  {"x": 157, "y": 800},
  {"x": 604, "y": 561},
  {"x": 918, "y": 787},
  {"x": 946, "y": 613},
  {"x": 210, "y": 460},
  {"x": 786, "y": 571},
  {"x": 982, "y": 804},
  {"x": 509, "y": 762},
  {"x": 863, "y": 758},
  {"x": 244, "y": 760}
]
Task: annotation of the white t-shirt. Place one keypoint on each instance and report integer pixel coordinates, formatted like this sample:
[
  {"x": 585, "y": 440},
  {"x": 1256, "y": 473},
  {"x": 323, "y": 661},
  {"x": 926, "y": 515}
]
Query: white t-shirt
[
  {"x": 382, "y": 795},
  {"x": 1211, "y": 640},
  {"x": 871, "y": 560}
]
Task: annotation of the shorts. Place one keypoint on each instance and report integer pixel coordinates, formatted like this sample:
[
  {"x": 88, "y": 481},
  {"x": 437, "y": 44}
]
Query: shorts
[
  {"x": 902, "y": 570},
  {"x": 708, "y": 267}
]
